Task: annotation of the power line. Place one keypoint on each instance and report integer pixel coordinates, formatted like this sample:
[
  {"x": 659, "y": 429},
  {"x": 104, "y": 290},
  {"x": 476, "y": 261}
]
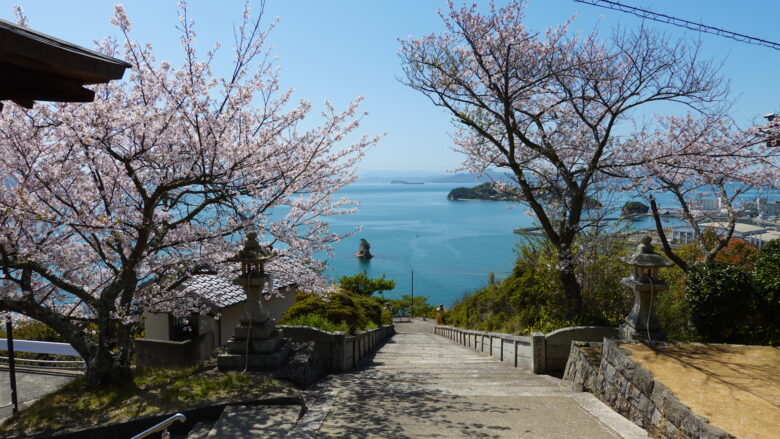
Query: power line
[{"x": 668, "y": 19}]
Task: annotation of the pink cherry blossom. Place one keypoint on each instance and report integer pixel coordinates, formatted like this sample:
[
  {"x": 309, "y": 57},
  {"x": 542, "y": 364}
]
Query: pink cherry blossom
[
  {"x": 552, "y": 108},
  {"x": 106, "y": 204}
]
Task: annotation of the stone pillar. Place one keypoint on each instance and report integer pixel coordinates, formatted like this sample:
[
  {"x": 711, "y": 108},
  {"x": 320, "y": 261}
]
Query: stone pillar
[{"x": 538, "y": 352}]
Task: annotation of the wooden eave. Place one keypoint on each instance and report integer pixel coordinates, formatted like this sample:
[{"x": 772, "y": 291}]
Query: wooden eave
[{"x": 38, "y": 67}]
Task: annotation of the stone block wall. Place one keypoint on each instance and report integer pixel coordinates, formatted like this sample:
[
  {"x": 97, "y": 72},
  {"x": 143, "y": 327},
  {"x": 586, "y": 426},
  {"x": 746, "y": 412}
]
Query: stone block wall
[
  {"x": 337, "y": 351},
  {"x": 631, "y": 390},
  {"x": 165, "y": 354},
  {"x": 583, "y": 367}
]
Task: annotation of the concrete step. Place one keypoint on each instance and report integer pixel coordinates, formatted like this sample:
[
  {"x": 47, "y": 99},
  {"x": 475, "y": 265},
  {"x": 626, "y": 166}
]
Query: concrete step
[
  {"x": 200, "y": 430},
  {"x": 265, "y": 421},
  {"x": 424, "y": 385}
]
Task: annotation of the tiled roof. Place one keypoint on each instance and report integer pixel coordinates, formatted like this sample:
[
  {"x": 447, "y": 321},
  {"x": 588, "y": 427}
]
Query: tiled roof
[
  {"x": 214, "y": 288},
  {"x": 221, "y": 292}
]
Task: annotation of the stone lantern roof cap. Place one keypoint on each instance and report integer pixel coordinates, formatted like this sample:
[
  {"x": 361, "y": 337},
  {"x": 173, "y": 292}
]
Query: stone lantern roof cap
[
  {"x": 253, "y": 252},
  {"x": 645, "y": 256}
]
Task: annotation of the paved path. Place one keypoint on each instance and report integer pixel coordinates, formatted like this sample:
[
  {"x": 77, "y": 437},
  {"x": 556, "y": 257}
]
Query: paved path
[
  {"x": 31, "y": 384},
  {"x": 423, "y": 385}
]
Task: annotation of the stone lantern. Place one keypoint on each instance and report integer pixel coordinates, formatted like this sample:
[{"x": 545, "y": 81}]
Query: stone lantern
[
  {"x": 256, "y": 342},
  {"x": 641, "y": 323}
]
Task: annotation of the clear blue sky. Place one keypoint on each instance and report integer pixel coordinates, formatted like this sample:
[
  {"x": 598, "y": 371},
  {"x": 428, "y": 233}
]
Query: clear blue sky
[{"x": 339, "y": 49}]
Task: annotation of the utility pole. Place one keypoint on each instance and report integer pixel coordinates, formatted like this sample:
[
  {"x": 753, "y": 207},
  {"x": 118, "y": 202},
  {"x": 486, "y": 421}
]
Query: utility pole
[
  {"x": 412, "y": 293},
  {"x": 11, "y": 364}
]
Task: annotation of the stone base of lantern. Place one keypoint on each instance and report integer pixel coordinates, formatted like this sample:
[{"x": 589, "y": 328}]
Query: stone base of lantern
[
  {"x": 629, "y": 333},
  {"x": 256, "y": 346},
  {"x": 268, "y": 361}
]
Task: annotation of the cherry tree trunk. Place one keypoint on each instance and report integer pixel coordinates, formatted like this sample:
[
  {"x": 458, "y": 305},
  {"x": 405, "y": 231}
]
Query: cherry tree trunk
[
  {"x": 105, "y": 367},
  {"x": 572, "y": 292}
]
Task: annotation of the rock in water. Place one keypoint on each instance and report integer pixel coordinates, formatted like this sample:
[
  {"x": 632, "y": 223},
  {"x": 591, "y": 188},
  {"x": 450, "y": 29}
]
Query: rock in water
[{"x": 363, "y": 250}]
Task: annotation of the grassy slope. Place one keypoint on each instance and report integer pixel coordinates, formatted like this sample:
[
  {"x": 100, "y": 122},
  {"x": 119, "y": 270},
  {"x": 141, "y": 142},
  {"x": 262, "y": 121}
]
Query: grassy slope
[{"x": 152, "y": 392}]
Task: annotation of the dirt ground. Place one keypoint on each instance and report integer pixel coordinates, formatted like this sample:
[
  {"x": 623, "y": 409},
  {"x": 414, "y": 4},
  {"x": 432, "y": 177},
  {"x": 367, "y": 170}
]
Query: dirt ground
[{"x": 736, "y": 387}]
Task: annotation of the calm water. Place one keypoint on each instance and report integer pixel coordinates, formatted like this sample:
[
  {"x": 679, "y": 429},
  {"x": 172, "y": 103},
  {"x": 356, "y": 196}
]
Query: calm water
[{"x": 452, "y": 246}]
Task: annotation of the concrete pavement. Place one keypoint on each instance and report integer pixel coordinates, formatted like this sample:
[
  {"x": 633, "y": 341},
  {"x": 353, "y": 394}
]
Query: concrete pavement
[
  {"x": 31, "y": 384},
  {"x": 423, "y": 385}
]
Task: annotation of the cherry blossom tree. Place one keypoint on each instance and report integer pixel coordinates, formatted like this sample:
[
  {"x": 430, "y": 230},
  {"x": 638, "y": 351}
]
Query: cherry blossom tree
[
  {"x": 104, "y": 205},
  {"x": 549, "y": 106},
  {"x": 772, "y": 130},
  {"x": 699, "y": 157}
]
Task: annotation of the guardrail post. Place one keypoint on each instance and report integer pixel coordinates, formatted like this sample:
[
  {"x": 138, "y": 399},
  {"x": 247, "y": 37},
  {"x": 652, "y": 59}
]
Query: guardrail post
[
  {"x": 516, "y": 343},
  {"x": 501, "y": 340},
  {"x": 338, "y": 347},
  {"x": 538, "y": 353}
]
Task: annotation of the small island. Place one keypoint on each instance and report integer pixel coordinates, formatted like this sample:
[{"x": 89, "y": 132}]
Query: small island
[
  {"x": 405, "y": 182},
  {"x": 488, "y": 192},
  {"x": 633, "y": 208},
  {"x": 484, "y": 191}
]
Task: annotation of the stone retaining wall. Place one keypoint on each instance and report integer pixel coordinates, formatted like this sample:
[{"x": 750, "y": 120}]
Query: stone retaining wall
[
  {"x": 631, "y": 390},
  {"x": 540, "y": 353},
  {"x": 337, "y": 351},
  {"x": 582, "y": 369},
  {"x": 165, "y": 354}
]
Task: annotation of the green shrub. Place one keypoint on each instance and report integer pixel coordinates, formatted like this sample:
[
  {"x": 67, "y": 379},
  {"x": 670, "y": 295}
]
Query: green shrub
[
  {"x": 362, "y": 285},
  {"x": 387, "y": 317},
  {"x": 606, "y": 301},
  {"x": 371, "y": 307},
  {"x": 672, "y": 308},
  {"x": 530, "y": 299},
  {"x": 767, "y": 272},
  {"x": 317, "y": 321},
  {"x": 405, "y": 305},
  {"x": 719, "y": 298},
  {"x": 522, "y": 302},
  {"x": 338, "y": 308},
  {"x": 766, "y": 276},
  {"x": 30, "y": 330}
]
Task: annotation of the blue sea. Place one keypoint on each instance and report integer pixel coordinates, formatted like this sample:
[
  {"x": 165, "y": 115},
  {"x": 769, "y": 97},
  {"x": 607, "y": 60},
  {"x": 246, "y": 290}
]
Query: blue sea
[{"x": 450, "y": 246}]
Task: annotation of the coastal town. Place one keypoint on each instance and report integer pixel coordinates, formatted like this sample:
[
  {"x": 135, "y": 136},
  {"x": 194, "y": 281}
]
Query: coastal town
[{"x": 757, "y": 220}]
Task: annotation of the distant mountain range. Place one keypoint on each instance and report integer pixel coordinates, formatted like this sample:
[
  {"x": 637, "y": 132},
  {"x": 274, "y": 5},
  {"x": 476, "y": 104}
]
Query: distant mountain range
[{"x": 416, "y": 177}]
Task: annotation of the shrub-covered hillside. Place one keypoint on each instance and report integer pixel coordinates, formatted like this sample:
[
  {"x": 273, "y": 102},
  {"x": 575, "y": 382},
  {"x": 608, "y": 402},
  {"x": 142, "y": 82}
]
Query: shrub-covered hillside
[{"x": 530, "y": 298}]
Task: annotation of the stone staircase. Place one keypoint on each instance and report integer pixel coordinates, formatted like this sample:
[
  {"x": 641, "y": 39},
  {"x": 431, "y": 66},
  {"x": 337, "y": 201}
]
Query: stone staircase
[
  {"x": 424, "y": 385},
  {"x": 245, "y": 422}
]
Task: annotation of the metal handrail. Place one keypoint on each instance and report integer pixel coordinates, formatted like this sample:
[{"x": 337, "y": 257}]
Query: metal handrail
[
  {"x": 81, "y": 363},
  {"x": 178, "y": 417}
]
